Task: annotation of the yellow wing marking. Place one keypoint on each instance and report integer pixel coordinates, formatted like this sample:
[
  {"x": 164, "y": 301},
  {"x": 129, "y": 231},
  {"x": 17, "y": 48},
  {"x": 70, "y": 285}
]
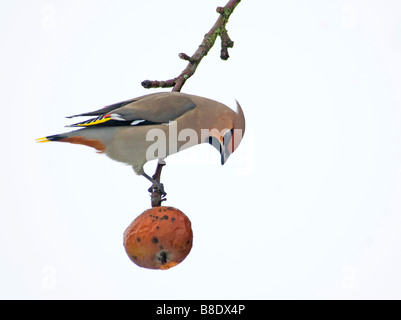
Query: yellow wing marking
[{"x": 94, "y": 122}]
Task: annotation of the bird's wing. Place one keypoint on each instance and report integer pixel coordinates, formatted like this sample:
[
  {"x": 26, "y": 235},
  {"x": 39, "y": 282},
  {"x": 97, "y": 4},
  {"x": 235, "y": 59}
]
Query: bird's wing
[{"x": 150, "y": 109}]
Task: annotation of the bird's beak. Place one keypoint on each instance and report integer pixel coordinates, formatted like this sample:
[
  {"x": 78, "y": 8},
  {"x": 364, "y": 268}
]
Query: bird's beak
[
  {"x": 224, "y": 153},
  {"x": 223, "y": 144},
  {"x": 218, "y": 145},
  {"x": 223, "y": 158}
]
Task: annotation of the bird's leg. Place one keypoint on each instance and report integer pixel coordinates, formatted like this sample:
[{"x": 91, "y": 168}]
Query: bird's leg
[
  {"x": 156, "y": 185},
  {"x": 157, "y": 189}
]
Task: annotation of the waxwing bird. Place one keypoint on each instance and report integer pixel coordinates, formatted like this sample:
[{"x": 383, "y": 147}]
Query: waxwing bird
[{"x": 157, "y": 125}]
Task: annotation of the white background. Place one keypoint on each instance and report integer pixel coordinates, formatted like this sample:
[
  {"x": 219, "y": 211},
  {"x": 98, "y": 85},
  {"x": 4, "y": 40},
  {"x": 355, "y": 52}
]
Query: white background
[{"x": 307, "y": 208}]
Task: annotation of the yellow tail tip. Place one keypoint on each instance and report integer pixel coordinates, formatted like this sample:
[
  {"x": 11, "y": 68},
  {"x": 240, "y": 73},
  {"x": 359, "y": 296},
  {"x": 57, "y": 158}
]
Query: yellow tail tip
[{"x": 44, "y": 139}]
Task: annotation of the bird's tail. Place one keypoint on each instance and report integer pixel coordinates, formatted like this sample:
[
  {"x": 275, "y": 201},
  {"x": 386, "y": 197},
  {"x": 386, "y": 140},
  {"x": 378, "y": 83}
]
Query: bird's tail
[
  {"x": 56, "y": 137},
  {"x": 90, "y": 138}
]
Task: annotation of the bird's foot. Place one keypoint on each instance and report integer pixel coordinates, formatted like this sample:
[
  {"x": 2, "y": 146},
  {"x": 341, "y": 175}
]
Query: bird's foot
[
  {"x": 157, "y": 192},
  {"x": 157, "y": 187}
]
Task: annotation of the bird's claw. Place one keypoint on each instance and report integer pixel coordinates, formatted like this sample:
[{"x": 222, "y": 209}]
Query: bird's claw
[{"x": 158, "y": 187}]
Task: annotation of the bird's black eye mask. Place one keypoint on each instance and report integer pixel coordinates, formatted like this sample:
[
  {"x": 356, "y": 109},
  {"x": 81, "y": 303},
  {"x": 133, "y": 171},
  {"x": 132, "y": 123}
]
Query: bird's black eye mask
[
  {"x": 221, "y": 145},
  {"x": 227, "y": 136}
]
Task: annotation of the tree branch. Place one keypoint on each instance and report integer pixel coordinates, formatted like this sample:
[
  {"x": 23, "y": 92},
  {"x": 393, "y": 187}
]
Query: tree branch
[{"x": 218, "y": 29}]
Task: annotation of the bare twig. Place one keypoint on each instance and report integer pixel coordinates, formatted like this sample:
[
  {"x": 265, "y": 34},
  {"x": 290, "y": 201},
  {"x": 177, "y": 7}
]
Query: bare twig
[
  {"x": 219, "y": 29},
  {"x": 226, "y": 43}
]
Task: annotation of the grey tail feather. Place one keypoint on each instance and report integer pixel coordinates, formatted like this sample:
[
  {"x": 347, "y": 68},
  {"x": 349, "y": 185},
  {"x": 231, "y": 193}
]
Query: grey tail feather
[
  {"x": 56, "y": 137},
  {"x": 104, "y": 110}
]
